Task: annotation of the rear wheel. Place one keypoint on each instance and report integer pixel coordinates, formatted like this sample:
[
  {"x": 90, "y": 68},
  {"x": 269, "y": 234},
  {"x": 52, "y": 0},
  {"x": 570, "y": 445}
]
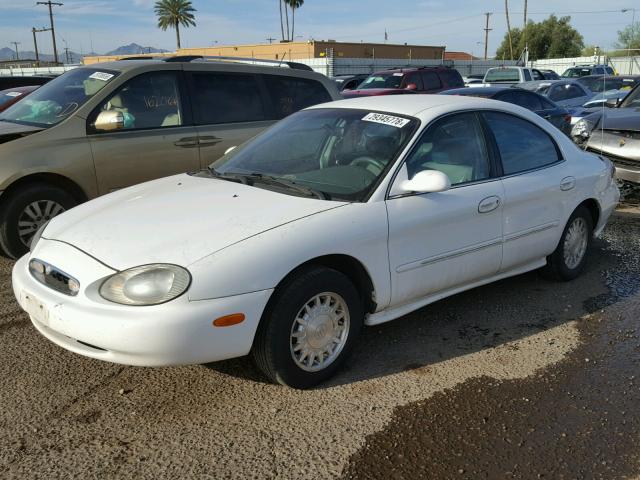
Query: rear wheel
[
  {"x": 24, "y": 210},
  {"x": 570, "y": 256},
  {"x": 309, "y": 328}
]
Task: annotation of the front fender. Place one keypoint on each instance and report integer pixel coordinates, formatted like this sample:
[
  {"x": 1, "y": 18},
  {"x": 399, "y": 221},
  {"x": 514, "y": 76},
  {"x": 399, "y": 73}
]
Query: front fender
[{"x": 259, "y": 263}]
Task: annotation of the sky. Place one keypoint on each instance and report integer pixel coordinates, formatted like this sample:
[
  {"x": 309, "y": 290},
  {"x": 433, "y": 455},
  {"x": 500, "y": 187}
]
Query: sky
[{"x": 103, "y": 25}]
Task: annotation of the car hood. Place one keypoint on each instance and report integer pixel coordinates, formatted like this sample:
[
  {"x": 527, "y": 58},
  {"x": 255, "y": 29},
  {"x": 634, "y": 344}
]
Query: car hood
[
  {"x": 178, "y": 219},
  {"x": 10, "y": 131},
  {"x": 622, "y": 119}
]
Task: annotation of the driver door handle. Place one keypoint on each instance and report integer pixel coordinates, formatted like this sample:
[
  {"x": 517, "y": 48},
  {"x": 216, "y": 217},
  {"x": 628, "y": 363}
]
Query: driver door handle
[
  {"x": 187, "y": 142},
  {"x": 489, "y": 204}
]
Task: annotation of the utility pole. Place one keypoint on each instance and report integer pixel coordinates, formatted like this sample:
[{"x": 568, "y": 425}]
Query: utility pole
[
  {"x": 16, "y": 45},
  {"x": 35, "y": 30},
  {"x": 271, "y": 40},
  {"x": 66, "y": 54},
  {"x": 524, "y": 28},
  {"x": 50, "y": 4},
  {"x": 486, "y": 34}
]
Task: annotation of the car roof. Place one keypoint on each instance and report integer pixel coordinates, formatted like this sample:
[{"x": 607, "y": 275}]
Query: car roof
[
  {"x": 411, "y": 69},
  {"x": 412, "y": 105},
  {"x": 481, "y": 91}
]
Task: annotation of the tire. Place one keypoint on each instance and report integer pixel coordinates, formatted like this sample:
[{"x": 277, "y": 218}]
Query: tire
[
  {"x": 281, "y": 340},
  {"x": 561, "y": 264},
  {"x": 34, "y": 203}
]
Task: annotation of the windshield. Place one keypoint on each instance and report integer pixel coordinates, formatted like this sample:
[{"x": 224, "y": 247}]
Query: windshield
[
  {"x": 390, "y": 80},
  {"x": 59, "y": 98},
  {"x": 502, "y": 75},
  {"x": 340, "y": 153},
  {"x": 632, "y": 100},
  {"x": 576, "y": 72}
]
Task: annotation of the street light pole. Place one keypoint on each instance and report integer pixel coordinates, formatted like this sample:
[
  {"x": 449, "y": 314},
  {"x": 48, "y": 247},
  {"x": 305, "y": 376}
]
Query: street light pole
[
  {"x": 49, "y": 3},
  {"x": 16, "y": 45}
]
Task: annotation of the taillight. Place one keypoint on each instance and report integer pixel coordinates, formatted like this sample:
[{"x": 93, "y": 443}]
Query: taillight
[{"x": 567, "y": 118}]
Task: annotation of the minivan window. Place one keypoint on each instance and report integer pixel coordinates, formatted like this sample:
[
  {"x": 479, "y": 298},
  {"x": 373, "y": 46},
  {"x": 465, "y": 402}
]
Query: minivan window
[
  {"x": 226, "y": 98},
  {"x": 522, "y": 145},
  {"x": 59, "y": 98},
  {"x": 290, "y": 94},
  {"x": 150, "y": 100},
  {"x": 384, "y": 80}
]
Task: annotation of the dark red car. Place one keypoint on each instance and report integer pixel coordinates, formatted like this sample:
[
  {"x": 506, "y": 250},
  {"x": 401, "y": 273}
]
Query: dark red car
[
  {"x": 408, "y": 80},
  {"x": 11, "y": 95}
]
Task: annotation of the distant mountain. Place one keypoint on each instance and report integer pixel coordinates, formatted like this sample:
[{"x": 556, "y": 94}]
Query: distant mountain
[
  {"x": 134, "y": 49},
  {"x": 7, "y": 53}
]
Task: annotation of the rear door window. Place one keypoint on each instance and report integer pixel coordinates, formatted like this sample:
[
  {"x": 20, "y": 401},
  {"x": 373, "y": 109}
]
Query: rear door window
[
  {"x": 431, "y": 80},
  {"x": 522, "y": 145},
  {"x": 226, "y": 98},
  {"x": 413, "y": 78},
  {"x": 290, "y": 94},
  {"x": 527, "y": 75},
  {"x": 452, "y": 78}
]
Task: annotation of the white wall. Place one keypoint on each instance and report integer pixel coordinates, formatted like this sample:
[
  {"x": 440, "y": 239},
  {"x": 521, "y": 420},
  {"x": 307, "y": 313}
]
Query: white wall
[{"x": 623, "y": 65}]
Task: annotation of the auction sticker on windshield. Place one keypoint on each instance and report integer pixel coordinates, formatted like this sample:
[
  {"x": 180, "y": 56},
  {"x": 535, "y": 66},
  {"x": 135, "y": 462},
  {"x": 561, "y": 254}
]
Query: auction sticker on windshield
[
  {"x": 397, "y": 122},
  {"x": 101, "y": 76}
]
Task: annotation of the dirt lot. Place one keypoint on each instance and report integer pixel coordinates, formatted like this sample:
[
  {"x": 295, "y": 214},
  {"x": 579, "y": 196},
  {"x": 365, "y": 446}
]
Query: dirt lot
[{"x": 525, "y": 378}]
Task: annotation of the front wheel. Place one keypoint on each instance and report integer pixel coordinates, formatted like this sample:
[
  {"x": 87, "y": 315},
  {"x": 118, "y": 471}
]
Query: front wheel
[
  {"x": 309, "y": 328},
  {"x": 570, "y": 256},
  {"x": 24, "y": 210}
]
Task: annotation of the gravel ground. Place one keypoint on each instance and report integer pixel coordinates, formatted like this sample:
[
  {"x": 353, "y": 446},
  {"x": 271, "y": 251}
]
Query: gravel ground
[{"x": 411, "y": 401}]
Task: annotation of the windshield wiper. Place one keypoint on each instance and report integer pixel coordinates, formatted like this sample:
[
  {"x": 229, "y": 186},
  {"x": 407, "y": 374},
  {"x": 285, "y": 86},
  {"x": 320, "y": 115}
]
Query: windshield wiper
[
  {"x": 238, "y": 178},
  {"x": 290, "y": 184}
]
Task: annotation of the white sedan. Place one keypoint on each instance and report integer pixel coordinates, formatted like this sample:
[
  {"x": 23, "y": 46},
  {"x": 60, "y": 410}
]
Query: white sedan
[{"x": 346, "y": 214}]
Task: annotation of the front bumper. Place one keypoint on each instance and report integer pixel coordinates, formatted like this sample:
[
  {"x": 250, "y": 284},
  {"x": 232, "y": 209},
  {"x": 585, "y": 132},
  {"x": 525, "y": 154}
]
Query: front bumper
[{"x": 179, "y": 332}]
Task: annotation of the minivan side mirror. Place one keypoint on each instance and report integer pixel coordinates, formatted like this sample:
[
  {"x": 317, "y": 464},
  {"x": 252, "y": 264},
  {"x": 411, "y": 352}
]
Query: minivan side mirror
[
  {"x": 612, "y": 102},
  {"x": 427, "y": 181},
  {"x": 109, "y": 121},
  {"x": 230, "y": 149},
  {"x": 411, "y": 86}
]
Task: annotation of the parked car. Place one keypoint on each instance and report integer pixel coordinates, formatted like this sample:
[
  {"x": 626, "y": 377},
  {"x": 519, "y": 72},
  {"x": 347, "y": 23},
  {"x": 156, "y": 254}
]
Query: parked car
[
  {"x": 317, "y": 227},
  {"x": 408, "y": 80},
  {"x": 511, "y": 75},
  {"x": 614, "y": 133},
  {"x": 475, "y": 78},
  {"x": 12, "y": 95},
  {"x": 550, "y": 75},
  {"x": 349, "y": 82},
  {"x": 7, "y": 82},
  {"x": 586, "y": 70},
  {"x": 103, "y": 127},
  {"x": 566, "y": 93},
  {"x": 555, "y": 114},
  {"x": 604, "y": 83}
]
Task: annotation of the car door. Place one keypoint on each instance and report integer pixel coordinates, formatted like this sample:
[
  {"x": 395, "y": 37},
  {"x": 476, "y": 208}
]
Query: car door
[
  {"x": 439, "y": 241},
  {"x": 229, "y": 108},
  {"x": 157, "y": 138},
  {"x": 536, "y": 184}
]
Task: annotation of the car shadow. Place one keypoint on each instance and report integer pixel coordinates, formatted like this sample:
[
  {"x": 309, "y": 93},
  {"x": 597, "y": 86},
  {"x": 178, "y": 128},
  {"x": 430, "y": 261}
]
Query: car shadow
[{"x": 483, "y": 318}]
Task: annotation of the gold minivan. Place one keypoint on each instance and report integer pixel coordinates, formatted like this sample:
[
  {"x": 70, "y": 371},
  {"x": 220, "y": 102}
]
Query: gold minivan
[{"x": 102, "y": 127}]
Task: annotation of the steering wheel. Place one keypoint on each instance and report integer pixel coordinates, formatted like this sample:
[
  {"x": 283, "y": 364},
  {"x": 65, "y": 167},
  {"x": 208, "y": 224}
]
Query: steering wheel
[{"x": 366, "y": 162}]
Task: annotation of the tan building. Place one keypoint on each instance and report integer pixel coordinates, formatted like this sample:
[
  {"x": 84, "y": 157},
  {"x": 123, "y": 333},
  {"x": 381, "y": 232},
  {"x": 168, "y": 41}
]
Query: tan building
[{"x": 306, "y": 50}]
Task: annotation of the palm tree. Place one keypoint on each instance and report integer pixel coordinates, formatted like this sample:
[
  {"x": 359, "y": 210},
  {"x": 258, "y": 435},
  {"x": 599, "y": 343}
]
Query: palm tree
[
  {"x": 173, "y": 13},
  {"x": 294, "y": 4}
]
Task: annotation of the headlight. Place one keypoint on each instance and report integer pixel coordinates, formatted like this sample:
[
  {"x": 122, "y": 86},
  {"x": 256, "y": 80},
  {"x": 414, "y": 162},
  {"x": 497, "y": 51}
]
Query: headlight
[
  {"x": 146, "y": 285},
  {"x": 582, "y": 129},
  {"x": 36, "y": 237}
]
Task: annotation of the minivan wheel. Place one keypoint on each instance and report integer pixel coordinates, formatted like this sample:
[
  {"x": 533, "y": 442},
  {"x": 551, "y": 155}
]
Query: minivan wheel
[
  {"x": 24, "y": 210},
  {"x": 570, "y": 256},
  {"x": 309, "y": 329}
]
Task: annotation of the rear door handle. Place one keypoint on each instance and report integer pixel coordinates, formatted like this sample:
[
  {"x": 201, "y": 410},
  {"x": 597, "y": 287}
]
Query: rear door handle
[
  {"x": 567, "y": 183},
  {"x": 489, "y": 204},
  {"x": 187, "y": 142},
  {"x": 204, "y": 141}
]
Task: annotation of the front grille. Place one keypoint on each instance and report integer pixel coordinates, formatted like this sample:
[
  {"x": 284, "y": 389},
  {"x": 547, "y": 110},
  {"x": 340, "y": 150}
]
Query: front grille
[{"x": 53, "y": 278}]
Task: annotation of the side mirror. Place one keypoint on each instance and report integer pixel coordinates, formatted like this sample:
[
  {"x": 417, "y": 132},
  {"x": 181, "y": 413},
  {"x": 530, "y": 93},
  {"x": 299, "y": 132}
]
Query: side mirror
[
  {"x": 109, "y": 121},
  {"x": 230, "y": 149},
  {"x": 411, "y": 86},
  {"x": 427, "y": 181},
  {"x": 612, "y": 102}
]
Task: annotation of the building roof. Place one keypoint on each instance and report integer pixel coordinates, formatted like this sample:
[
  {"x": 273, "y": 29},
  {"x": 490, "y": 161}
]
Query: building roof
[{"x": 458, "y": 56}]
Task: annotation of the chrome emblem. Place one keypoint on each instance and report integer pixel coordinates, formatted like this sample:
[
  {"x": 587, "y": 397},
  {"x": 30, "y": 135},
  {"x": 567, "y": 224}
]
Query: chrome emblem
[{"x": 622, "y": 142}]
